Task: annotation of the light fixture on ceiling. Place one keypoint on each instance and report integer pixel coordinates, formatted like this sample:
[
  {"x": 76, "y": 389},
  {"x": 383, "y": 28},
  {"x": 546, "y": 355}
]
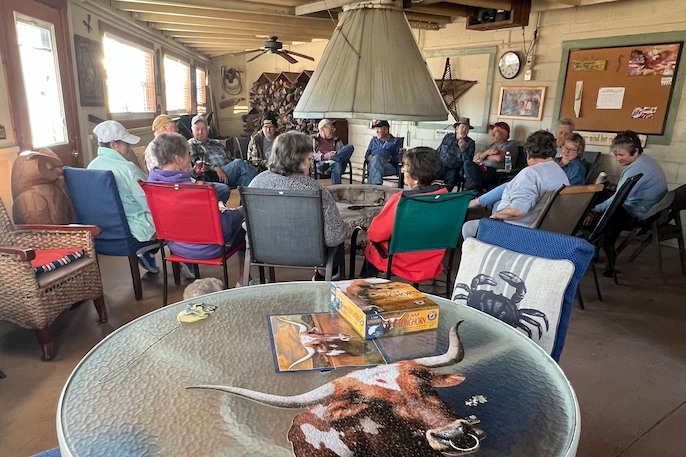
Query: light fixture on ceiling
[{"x": 372, "y": 68}]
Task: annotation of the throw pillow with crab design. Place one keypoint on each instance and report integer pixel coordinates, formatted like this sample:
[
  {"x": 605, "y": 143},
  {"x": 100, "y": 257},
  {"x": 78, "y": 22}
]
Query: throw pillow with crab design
[{"x": 523, "y": 291}]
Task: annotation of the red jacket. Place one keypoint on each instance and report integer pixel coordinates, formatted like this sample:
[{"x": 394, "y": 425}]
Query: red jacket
[{"x": 411, "y": 266}]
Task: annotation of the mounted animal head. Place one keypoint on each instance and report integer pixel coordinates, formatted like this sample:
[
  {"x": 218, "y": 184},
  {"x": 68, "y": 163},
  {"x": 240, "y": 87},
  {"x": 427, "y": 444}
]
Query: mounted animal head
[{"x": 388, "y": 410}]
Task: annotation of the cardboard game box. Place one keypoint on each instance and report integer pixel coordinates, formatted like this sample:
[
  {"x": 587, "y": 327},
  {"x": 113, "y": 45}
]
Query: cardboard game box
[{"x": 377, "y": 308}]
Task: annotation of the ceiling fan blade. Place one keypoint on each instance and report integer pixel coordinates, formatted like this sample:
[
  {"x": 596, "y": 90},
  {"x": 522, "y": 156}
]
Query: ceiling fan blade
[
  {"x": 258, "y": 55},
  {"x": 300, "y": 55},
  {"x": 240, "y": 53},
  {"x": 286, "y": 56}
]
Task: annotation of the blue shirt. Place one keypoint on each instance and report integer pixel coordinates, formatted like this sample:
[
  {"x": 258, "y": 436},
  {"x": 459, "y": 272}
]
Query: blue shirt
[
  {"x": 127, "y": 175},
  {"x": 575, "y": 171},
  {"x": 451, "y": 154},
  {"x": 388, "y": 149},
  {"x": 648, "y": 190},
  {"x": 527, "y": 191}
]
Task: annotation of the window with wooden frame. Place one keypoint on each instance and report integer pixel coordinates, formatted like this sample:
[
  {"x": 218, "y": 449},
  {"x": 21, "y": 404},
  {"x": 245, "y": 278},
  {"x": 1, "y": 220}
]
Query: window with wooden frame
[
  {"x": 130, "y": 68},
  {"x": 177, "y": 85},
  {"x": 201, "y": 90}
]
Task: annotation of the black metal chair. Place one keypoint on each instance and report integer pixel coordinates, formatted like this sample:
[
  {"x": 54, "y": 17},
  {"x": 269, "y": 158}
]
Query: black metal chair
[
  {"x": 285, "y": 228},
  {"x": 662, "y": 223},
  {"x": 597, "y": 236}
]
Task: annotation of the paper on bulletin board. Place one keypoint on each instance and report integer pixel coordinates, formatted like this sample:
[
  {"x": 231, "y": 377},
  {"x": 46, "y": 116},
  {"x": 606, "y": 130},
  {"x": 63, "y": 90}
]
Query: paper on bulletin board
[
  {"x": 610, "y": 98},
  {"x": 577, "y": 97}
]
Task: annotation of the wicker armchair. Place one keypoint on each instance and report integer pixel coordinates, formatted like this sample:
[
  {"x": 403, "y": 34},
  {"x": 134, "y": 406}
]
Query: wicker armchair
[{"x": 34, "y": 302}]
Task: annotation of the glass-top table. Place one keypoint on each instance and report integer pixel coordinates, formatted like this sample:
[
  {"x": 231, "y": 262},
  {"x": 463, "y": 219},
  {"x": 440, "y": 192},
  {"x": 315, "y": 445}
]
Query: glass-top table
[{"x": 128, "y": 395}]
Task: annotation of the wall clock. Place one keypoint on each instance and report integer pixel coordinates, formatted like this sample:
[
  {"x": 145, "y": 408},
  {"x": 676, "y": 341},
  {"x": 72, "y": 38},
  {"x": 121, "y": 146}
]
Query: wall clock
[{"x": 509, "y": 64}]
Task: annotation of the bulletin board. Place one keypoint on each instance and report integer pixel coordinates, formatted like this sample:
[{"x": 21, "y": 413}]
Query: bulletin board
[{"x": 621, "y": 88}]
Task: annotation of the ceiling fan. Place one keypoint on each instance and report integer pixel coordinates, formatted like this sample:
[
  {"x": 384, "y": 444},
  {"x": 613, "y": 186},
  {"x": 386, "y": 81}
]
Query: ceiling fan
[{"x": 274, "y": 46}]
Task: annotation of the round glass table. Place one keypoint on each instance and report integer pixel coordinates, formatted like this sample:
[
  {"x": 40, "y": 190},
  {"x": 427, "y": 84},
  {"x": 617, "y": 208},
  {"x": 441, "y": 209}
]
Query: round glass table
[{"x": 128, "y": 395}]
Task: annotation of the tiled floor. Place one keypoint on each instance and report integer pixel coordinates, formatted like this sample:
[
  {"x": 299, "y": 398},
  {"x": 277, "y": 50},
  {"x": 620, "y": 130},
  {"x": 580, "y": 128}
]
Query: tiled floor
[{"x": 625, "y": 357}]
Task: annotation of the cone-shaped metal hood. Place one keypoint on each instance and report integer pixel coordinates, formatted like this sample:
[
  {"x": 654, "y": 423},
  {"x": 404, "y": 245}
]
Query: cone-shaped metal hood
[{"x": 372, "y": 69}]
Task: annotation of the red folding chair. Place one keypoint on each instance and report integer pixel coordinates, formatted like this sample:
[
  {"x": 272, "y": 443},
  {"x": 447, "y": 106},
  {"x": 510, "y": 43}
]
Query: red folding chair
[{"x": 188, "y": 213}]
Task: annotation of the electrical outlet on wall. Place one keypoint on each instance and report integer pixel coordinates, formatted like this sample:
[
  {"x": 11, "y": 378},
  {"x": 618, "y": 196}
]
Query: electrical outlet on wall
[{"x": 528, "y": 74}]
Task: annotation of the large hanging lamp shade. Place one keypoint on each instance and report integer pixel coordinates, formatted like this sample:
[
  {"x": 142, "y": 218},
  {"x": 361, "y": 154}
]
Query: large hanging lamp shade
[{"x": 372, "y": 69}]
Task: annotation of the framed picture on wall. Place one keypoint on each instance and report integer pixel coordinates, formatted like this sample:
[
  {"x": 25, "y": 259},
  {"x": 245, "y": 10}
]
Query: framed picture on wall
[
  {"x": 90, "y": 69},
  {"x": 523, "y": 102}
]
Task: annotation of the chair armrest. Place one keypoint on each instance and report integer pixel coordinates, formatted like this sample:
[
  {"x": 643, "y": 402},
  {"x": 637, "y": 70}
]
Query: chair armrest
[
  {"x": 25, "y": 255},
  {"x": 53, "y": 239},
  {"x": 94, "y": 229}
]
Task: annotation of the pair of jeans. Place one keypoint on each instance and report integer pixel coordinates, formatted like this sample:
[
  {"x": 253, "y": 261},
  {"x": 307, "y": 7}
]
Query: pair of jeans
[
  {"x": 476, "y": 179},
  {"x": 223, "y": 191},
  {"x": 378, "y": 169},
  {"x": 239, "y": 173},
  {"x": 340, "y": 162},
  {"x": 451, "y": 176}
]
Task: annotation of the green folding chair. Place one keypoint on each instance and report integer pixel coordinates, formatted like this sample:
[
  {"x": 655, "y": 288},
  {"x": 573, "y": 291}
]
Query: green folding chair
[{"x": 424, "y": 223}]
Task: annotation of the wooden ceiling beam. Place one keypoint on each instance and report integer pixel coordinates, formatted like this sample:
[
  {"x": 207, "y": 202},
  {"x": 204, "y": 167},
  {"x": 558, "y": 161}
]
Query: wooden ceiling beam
[
  {"x": 228, "y": 5},
  {"x": 276, "y": 19},
  {"x": 494, "y": 4},
  {"x": 247, "y": 27},
  {"x": 321, "y": 5},
  {"x": 444, "y": 10},
  {"x": 430, "y": 18},
  {"x": 229, "y": 34}
]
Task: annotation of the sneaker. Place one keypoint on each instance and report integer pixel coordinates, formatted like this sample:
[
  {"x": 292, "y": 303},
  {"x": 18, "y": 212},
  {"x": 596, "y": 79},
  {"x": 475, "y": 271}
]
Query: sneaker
[
  {"x": 335, "y": 276},
  {"x": 187, "y": 270},
  {"x": 254, "y": 282},
  {"x": 147, "y": 261},
  {"x": 323, "y": 168}
]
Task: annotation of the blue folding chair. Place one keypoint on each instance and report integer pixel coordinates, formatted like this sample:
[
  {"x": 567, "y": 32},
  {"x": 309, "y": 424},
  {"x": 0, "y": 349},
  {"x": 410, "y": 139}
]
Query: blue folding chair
[
  {"x": 96, "y": 201},
  {"x": 548, "y": 245}
]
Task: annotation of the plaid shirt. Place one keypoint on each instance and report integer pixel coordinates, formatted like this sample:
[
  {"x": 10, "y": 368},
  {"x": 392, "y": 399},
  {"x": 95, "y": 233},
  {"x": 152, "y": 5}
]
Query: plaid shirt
[
  {"x": 451, "y": 154},
  {"x": 211, "y": 151}
]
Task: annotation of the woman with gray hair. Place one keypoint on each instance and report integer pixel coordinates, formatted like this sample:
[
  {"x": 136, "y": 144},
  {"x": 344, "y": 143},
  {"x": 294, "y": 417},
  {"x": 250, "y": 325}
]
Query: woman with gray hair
[
  {"x": 288, "y": 168},
  {"x": 174, "y": 162}
]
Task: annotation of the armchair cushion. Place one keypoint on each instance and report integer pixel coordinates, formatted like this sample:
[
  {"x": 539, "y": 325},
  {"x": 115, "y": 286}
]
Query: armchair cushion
[
  {"x": 50, "y": 259},
  {"x": 524, "y": 291}
]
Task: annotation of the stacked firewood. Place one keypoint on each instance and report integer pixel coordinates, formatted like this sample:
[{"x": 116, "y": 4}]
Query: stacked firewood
[{"x": 278, "y": 93}]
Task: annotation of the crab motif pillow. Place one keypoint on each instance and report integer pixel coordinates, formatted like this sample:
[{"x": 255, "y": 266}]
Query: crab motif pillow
[{"x": 523, "y": 291}]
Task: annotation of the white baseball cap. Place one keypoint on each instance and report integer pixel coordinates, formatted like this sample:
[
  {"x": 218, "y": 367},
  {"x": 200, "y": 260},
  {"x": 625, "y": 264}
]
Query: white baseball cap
[{"x": 113, "y": 131}]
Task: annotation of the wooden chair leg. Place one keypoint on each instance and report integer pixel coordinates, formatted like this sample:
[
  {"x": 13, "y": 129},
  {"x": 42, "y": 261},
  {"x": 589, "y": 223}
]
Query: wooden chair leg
[
  {"x": 45, "y": 341},
  {"x": 136, "y": 277},
  {"x": 101, "y": 309}
]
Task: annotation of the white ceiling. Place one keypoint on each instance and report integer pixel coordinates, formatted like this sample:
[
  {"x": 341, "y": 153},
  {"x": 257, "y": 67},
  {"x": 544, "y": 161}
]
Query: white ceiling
[{"x": 217, "y": 27}]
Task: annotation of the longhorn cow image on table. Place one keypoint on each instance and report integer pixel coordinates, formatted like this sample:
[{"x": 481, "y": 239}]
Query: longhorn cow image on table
[{"x": 388, "y": 410}]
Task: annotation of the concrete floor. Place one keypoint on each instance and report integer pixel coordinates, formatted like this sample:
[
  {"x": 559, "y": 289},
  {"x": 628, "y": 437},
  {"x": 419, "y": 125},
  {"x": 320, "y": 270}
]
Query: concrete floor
[{"x": 625, "y": 357}]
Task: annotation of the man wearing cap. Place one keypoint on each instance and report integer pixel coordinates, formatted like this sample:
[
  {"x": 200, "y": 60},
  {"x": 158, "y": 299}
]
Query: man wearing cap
[
  {"x": 382, "y": 153},
  {"x": 331, "y": 157},
  {"x": 260, "y": 144},
  {"x": 114, "y": 145},
  {"x": 481, "y": 172},
  {"x": 165, "y": 124},
  {"x": 162, "y": 124},
  {"x": 212, "y": 163},
  {"x": 456, "y": 149}
]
